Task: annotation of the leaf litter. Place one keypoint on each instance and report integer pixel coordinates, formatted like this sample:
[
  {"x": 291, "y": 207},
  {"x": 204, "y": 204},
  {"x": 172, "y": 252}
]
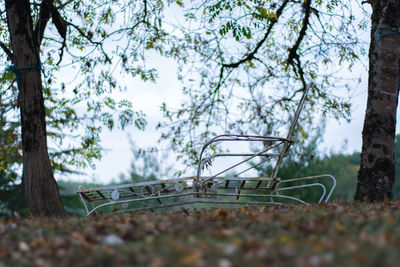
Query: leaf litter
[{"x": 346, "y": 234}]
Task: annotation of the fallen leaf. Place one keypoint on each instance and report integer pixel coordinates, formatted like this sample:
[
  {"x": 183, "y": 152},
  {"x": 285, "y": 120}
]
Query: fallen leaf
[
  {"x": 23, "y": 246},
  {"x": 3, "y": 251},
  {"x": 340, "y": 227},
  {"x": 78, "y": 236},
  {"x": 113, "y": 240},
  {"x": 224, "y": 263},
  {"x": 37, "y": 243},
  {"x": 192, "y": 258},
  {"x": 158, "y": 262}
]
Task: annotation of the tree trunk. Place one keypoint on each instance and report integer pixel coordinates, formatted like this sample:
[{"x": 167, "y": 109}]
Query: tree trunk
[
  {"x": 40, "y": 186},
  {"x": 377, "y": 169}
]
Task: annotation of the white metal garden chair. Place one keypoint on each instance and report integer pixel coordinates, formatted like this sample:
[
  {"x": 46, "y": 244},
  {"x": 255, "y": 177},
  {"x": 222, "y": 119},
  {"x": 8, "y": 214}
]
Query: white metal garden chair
[{"x": 217, "y": 189}]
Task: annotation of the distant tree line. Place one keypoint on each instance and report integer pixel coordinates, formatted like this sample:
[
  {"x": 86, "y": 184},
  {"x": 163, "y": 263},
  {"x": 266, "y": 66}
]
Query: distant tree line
[{"x": 301, "y": 161}]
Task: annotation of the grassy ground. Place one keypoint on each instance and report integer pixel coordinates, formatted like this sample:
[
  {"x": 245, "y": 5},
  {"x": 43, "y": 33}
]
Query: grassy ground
[{"x": 345, "y": 234}]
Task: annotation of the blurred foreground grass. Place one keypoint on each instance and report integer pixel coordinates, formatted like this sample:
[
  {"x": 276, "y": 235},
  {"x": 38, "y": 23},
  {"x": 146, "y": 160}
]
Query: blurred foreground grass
[{"x": 345, "y": 234}]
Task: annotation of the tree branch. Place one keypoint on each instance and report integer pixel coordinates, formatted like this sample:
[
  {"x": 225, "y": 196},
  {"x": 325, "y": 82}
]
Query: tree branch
[
  {"x": 144, "y": 9},
  {"x": 247, "y": 58},
  {"x": 58, "y": 21},
  {"x": 10, "y": 55},
  {"x": 61, "y": 26},
  {"x": 251, "y": 55},
  {"x": 47, "y": 11},
  {"x": 65, "y": 4},
  {"x": 87, "y": 37},
  {"x": 293, "y": 51},
  {"x": 301, "y": 73},
  {"x": 44, "y": 17}
]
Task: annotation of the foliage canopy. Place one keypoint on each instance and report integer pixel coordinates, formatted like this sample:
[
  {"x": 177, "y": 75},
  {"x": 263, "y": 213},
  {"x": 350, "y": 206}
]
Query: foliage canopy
[
  {"x": 245, "y": 64},
  {"x": 90, "y": 41}
]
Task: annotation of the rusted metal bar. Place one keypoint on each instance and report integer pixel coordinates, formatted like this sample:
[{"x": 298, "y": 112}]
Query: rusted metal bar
[
  {"x": 150, "y": 193},
  {"x": 100, "y": 194},
  {"x": 240, "y": 189}
]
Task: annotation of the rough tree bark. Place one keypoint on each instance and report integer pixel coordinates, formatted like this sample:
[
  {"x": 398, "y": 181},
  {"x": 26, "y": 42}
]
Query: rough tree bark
[
  {"x": 376, "y": 174},
  {"x": 40, "y": 186}
]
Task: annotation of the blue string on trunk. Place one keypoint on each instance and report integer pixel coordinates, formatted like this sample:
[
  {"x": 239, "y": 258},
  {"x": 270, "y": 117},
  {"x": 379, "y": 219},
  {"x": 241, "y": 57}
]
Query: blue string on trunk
[
  {"x": 382, "y": 35},
  {"x": 16, "y": 71},
  {"x": 389, "y": 193}
]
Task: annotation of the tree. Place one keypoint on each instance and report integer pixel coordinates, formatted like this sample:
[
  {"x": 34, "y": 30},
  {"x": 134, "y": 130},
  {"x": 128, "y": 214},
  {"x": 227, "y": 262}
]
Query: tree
[
  {"x": 245, "y": 65},
  {"x": 377, "y": 169},
  {"x": 40, "y": 185},
  {"x": 31, "y": 43}
]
